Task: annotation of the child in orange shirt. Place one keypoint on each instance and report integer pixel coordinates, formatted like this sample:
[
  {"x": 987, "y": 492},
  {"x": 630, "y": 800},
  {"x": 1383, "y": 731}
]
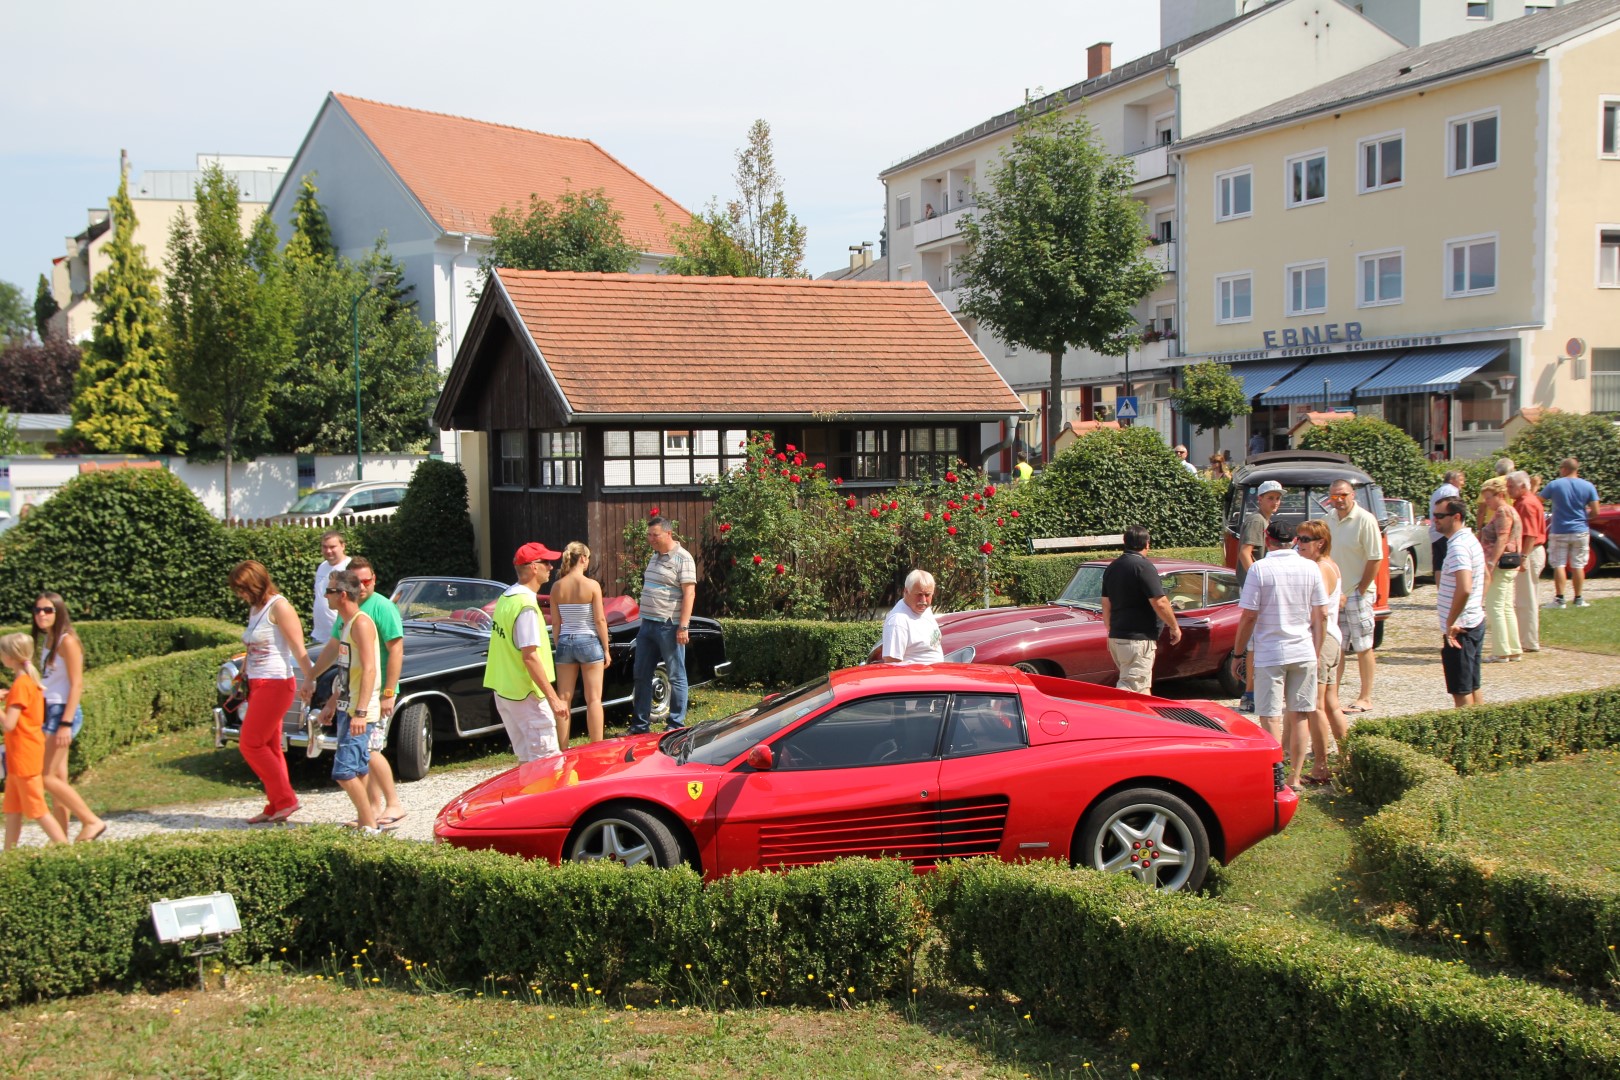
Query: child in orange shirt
[{"x": 24, "y": 724}]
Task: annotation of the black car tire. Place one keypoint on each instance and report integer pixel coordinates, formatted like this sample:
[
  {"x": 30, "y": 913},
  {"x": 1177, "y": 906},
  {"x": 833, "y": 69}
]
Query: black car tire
[
  {"x": 1378, "y": 634},
  {"x": 1403, "y": 580},
  {"x": 625, "y": 834},
  {"x": 1231, "y": 675},
  {"x": 410, "y": 737},
  {"x": 1162, "y": 821}
]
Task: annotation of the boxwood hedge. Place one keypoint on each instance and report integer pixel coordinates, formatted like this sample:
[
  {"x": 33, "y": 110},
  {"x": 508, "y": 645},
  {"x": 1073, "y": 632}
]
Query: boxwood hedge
[
  {"x": 786, "y": 652},
  {"x": 1039, "y": 578}
]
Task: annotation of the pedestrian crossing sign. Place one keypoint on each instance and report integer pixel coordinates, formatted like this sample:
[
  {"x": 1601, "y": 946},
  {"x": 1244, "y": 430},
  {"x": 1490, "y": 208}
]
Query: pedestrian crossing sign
[{"x": 1125, "y": 408}]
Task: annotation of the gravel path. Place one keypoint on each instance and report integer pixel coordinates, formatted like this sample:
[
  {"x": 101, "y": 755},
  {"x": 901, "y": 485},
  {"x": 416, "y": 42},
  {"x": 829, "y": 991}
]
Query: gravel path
[{"x": 1408, "y": 680}]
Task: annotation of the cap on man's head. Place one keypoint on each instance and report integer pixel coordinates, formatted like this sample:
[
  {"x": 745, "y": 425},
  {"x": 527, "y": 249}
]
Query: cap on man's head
[
  {"x": 1267, "y": 488},
  {"x": 1280, "y": 531},
  {"x": 533, "y": 552}
]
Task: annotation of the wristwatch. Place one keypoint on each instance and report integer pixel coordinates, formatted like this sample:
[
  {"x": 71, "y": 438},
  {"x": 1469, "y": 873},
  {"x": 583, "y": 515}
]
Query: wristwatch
[
  {"x": 358, "y": 714},
  {"x": 388, "y": 693}
]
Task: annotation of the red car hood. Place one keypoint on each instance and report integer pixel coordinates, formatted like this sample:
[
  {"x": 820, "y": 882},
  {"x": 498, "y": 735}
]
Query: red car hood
[{"x": 964, "y": 628}]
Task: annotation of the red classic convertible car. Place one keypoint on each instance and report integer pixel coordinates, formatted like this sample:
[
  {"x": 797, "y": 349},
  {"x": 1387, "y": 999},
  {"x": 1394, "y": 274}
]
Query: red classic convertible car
[
  {"x": 1067, "y": 637},
  {"x": 920, "y": 763}
]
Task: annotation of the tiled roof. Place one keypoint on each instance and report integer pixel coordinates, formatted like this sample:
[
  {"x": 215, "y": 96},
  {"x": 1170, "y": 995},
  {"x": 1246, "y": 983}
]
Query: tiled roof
[
  {"x": 462, "y": 171},
  {"x": 1415, "y": 68},
  {"x": 645, "y": 344}
]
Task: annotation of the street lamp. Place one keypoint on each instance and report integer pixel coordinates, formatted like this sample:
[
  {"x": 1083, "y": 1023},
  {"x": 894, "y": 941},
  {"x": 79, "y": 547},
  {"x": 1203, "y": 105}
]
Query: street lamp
[{"x": 376, "y": 282}]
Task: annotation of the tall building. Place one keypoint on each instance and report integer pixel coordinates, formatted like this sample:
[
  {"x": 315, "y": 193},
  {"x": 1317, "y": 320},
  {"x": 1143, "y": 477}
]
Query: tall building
[{"x": 1414, "y": 22}]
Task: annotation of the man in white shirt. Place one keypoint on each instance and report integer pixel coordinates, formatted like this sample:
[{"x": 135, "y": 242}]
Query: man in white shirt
[
  {"x": 1358, "y": 548},
  {"x": 1181, "y": 456},
  {"x": 910, "y": 632},
  {"x": 1284, "y": 607},
  {"x": 334, "y": 556},
  {"x": 1461, "y": 603}
]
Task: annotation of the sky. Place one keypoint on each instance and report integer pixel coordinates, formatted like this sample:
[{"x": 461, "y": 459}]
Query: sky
[{"x": 849, "y": 88}]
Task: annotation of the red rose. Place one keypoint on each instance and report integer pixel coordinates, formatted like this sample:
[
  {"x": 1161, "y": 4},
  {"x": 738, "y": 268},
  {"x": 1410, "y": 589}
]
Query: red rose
[
  {"x": 950, "y": 478},
  {"x": 820, "y": 465},
  {"x": 794, "y": 478},
  {"x": 990, "y": 490},
  {"x": 785, "y": 472},
  {"x": 725, "y": 526},
  {"x": 977, "y": 497},
  {"x": 849, "y": 503},
  {"x": 790, "y": 448},
  {"x": 758, "y": 559},
  {"x": 653, "y": 512},
  {"x": 875, "y": 511},
  {"x": 839, "y": 480},
  {"x": 951, "y": 530},
  {"x": 894, "y": 506},
  {"x": 987, "y": 547},
  {"x": 781, "y": 457},
  {"x": 1000, "y": 522},
  {"x": 946, "y": 515},
  {"x": 1015, "y": 513},
  {"x": 780, "y": 569},
  {"x": 928, "y": 515}
]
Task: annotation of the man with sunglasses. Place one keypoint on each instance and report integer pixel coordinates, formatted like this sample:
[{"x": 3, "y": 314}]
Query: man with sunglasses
[
  {"x": 1358, "y": 548},
  {"x": 391, "y": 632},
  {"x": 1461, "y": 604}
]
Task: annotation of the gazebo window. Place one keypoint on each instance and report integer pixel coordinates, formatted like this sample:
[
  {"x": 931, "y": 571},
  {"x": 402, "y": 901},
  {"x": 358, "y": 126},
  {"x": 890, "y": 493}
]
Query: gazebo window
[{"x": 676, "y": 457}]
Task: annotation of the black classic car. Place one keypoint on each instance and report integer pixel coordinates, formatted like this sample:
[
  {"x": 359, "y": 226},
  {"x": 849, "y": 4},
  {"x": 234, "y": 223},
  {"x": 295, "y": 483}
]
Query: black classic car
[{"x": 441, "y": 683}]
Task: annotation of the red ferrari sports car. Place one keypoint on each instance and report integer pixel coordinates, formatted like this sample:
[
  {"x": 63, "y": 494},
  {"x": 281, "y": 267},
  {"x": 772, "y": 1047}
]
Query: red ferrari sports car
[
  {"x": 920, "y": 763},
  {"x": 1067, "y": 637}
]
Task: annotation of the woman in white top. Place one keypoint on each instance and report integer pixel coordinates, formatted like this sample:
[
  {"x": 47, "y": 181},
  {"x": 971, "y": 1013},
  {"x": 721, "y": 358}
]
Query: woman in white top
[
  {"x": 579, "y": 628},
  {"x": 274, "y": 639},
  {"x": 1327, "y": 722},
  {"x": 61, "y": 659}
]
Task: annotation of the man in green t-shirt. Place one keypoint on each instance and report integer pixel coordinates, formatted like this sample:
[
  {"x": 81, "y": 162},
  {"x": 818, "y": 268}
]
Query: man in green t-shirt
[{"x": 391, "y": 630}]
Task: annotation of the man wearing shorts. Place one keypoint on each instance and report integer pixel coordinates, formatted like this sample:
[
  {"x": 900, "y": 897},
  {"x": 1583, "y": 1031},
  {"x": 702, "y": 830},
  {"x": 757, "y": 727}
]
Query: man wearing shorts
[
  {"x": 1358, "y": 548},
  {"x": 354, "y": 700},
  {"x": 1461, "y": 605},
  {"x": 1133, "y": 606},
  {"x": 1251, "y": 547},
  {"x": 1284, "y": 607},
  {"x": 1570, "y": 501},
  {"x": 520, "y": 668}
]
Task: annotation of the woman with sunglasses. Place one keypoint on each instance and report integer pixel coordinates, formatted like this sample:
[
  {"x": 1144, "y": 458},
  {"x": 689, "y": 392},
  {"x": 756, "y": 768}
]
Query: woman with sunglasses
[
  {"x": 1502, "y": 534},
  {"x": 62, "y": 678},
  {"x": 274, "y": 639},
  {"x": 1328, "y": 725}
]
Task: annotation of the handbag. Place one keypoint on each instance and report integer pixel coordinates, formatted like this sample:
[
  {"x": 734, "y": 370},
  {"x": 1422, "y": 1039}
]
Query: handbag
[{"x": 1510, "y": 560}]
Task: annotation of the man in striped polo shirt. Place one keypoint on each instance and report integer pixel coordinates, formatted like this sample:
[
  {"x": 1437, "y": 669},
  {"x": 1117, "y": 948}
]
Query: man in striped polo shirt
[
  {"x": 1285, "y": 612},
  {"x": 668, "y": 588},
  {"x": 1460, "y": 606}
]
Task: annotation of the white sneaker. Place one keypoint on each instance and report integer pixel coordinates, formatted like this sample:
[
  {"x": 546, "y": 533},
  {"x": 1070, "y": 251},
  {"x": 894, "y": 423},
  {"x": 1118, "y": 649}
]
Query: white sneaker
[
  {"x": 1580, "y": 601},
  {"x": 1555, "y": 602}
]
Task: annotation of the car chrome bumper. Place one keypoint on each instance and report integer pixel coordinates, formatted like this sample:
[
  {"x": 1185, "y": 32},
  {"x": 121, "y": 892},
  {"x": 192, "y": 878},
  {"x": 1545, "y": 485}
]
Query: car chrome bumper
[
  {"x": 227, "y": 732},
  {"x": 720, "y": 668}
]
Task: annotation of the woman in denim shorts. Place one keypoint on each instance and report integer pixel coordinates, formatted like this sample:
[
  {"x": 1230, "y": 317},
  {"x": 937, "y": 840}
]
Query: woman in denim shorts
[
  {"x": 62, "y": 664},
  {"x": 579, "y": 627}
]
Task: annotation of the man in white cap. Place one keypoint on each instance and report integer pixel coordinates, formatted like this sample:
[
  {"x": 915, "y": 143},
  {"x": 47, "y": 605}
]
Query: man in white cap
[
  {"x": 519, "y": 668},
  {"x": 1252, "y": 546}
]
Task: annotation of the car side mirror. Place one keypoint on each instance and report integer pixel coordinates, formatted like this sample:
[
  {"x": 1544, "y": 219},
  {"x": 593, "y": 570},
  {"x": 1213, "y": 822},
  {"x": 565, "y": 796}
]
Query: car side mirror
[{"x": 761, "y": 759}]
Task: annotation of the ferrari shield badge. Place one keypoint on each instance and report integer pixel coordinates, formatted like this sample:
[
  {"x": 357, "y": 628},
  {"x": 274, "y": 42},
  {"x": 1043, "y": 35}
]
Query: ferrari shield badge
[{"x": 695, "y": 788}]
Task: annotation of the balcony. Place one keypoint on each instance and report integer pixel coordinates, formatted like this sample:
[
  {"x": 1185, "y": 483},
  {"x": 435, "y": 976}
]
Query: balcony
[
  {"x": 1152, "y": 164},
  {"x": 947, "y": 226},
  {"x": 1152, "y": 354},
  {"x": 1162, "y": 255},
  {"x": 951, "y": 298}
]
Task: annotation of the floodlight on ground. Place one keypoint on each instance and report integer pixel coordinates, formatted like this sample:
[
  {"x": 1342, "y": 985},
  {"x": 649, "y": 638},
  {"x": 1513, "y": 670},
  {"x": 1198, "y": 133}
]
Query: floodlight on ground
[{"x": 207, "y": 920}]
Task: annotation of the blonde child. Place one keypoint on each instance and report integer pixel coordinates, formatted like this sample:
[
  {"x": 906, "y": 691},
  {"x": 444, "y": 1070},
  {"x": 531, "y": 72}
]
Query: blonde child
[{"x": 24, "y": 724}]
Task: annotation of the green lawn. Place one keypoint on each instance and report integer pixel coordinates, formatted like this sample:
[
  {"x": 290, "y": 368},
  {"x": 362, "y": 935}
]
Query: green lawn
[
  {"x": 268, "y": 1024},
  {"x": 1557, "y": 816},
  {"x": 1594, "y": 629}
]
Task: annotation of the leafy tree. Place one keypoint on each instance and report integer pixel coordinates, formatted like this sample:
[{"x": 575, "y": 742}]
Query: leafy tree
[
  {"x": 1209, "y": 397},
  {"x": 1594, "y": 441},
  {"x": 754, "y": 235},
  {"x": 45, "y": 307},
  {"x": 10, "y": 442},
  {"x": 228, "y": 314},
  {"x": 312, "y": 231},
  {"x": 433, "y": 528},
  {"x": 15, "y": 320},
  {"x": 581, "y": 231},
  {"x": 1381, "y": 450},
  {"x": 704, "y": 246},
  {"x": 122, "y": 402},
  {"x": 37, "y": 376},
  {"x": 1054, "y": 255}
]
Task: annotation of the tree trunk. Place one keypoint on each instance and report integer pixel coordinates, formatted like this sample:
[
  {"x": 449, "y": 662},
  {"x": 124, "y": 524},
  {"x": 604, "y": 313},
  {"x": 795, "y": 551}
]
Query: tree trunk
[
  {"x": 1216, "y": 430},
  {"x": 1054, "y": 406}
]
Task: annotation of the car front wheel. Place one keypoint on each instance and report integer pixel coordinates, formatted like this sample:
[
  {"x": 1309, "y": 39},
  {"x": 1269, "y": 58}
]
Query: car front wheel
[
  {"x": 411, "y": 739},
  {"x": 659, "y": 711},
  {"x": 1150, "y": 834},
  {"x": 627, "y": 836}
]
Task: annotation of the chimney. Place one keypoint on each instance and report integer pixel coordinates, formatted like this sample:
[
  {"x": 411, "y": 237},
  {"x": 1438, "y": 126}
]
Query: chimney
[
  {"x": 860, "y": 255},
  {"x": 1099, "y": 59}
]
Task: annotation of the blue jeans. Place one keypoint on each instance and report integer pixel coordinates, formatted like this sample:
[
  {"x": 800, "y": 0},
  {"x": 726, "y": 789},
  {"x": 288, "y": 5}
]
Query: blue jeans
[{"x": 655, "y": 642}]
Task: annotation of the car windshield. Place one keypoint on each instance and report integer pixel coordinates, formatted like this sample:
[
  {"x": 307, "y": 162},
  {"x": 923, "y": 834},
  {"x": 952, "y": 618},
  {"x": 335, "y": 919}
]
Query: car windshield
[
  {"x": 1301, "y": 503},
  {"x": 1399, "y": 509},
  {"x": 317, "y": 502},
  {"x": 719, "y": 741},
  {"x": 1085, "y": 590},
  {"x": 450, "y": 600}
]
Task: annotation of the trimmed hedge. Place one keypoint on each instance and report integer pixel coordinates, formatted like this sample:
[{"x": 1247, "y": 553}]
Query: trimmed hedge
[
  {"x": 1208, "y": 989},
  {"x": 131, "y": 702},
  {"x": 1381, "y": 770},
  {"x": 787, "y": 652},
  {"x": 469, "y": 915},
  {"x": 1492, "y": 737},
  {"x": 1039, "y": 578},
  {"x": 116, "y": 640}
]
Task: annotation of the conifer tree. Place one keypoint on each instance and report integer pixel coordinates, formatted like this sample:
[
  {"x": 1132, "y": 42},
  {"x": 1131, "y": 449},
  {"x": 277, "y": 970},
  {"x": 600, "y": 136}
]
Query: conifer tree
[
  {"x": 122, "y": 402},
  {"x": 45, "y": 307},
  {"x": 312, "y": 232}
]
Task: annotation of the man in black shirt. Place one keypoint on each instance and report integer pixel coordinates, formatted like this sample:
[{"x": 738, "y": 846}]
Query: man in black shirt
[{"x": 1133, "y": 605}]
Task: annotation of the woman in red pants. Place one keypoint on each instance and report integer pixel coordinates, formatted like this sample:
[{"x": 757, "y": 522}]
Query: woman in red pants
[{"x": 274, "y": 639}]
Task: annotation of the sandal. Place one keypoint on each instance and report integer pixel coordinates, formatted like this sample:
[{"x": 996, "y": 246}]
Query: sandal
[
  {"x": 86, "y": 836},
  {"x": 1317, "y": 781}
]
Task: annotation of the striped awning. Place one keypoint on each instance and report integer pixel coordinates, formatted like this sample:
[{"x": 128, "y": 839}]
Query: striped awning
[
  {"x": 1431, "y": 371},
  {"x": 1262, "y": 376},
  {"x": 1342, "y": 374}
]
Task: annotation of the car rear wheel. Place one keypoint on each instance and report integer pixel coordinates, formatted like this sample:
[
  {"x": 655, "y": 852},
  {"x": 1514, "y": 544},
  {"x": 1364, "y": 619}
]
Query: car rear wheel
[
  {"x": 1231, "y": 674},
  {"x": 1404, "y": 580},
  {"x": 627, "y": 836},
  {"x": 1031, "y": 667},
  {"x": 1150, "y": 834},
  {"x": 1378, "y": 634},
  {"x": 411, "y": 739}
]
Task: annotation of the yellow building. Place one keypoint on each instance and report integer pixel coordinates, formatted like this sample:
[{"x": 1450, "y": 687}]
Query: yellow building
[{"x": 1434, "y": 238}]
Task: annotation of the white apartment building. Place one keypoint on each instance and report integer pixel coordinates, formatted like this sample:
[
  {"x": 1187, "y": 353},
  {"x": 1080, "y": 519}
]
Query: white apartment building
[{"x": 1414, "y": 22}]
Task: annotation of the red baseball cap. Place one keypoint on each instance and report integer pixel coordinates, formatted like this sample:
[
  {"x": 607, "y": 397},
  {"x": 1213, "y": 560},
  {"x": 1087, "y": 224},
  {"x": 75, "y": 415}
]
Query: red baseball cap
[{"x": 533, "y": 552}]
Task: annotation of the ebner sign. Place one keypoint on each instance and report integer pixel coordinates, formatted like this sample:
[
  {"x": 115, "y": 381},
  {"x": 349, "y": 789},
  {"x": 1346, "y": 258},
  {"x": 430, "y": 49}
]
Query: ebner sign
[{"x": 1329, "y": 338}]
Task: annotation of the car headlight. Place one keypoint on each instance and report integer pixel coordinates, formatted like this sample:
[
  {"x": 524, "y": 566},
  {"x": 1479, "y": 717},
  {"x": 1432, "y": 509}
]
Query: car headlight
[{"x": 225, "y": 683}]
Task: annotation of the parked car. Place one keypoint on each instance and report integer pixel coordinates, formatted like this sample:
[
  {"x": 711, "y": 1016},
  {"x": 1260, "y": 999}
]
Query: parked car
[
  {"x": 1605, "y": 542},
  {"x": 1306, "y": 476},
  {"x": 441, "y": 683},
  {"x": 1067, "y": 637},
  {"x": 361, "y": 499},
  {"x": 920, "y": 763},
  {"x": 1410, "y": 556}
]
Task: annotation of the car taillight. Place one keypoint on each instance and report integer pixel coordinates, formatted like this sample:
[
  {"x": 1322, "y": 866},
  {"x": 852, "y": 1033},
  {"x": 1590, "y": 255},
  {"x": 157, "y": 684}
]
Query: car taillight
[{"x": 1277, "y": 775}]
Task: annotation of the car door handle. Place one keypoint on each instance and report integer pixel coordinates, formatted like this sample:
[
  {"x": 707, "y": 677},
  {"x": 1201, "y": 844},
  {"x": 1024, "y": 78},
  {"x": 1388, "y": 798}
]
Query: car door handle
[{"x": 1193, "y": 622}]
